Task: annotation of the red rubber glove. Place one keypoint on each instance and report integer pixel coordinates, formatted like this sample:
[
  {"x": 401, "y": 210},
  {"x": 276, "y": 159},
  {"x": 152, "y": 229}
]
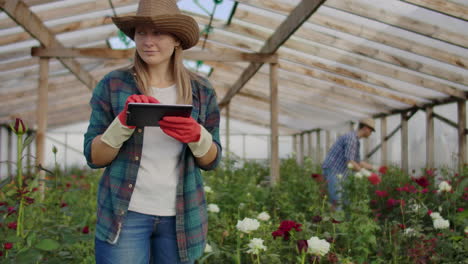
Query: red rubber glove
[
  {"x": 135, "y": 98},
  {"x": 184, "y": 129}
]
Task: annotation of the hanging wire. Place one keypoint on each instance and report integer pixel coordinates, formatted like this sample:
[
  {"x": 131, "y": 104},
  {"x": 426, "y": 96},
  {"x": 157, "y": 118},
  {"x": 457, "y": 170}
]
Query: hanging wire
[
  {"x": 113, "y": 9},
  {"x": 208, "y": 28}
]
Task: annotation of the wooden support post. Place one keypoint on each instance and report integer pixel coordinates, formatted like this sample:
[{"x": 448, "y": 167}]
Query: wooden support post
[
  {"x": 10, "y": 153},
  {"x": 294, "y": 144},
  {"x": 366, "y": 149},
  {"x": 429, "y": 137},
  {"x": 301, "y": 149},
  {"x": 404, "y": 142},
  {"x": 228, "y": 129},
  {"x": 461, "y": 134},
  {"x": 65, "y": 152},
  {"x": 42, "y": 119},
  {"x": 327, "y": 141},
  {"x": 319, "y": 148},
  {"x": 309, "y": 144},
  {"x": 243, "y": 147},
  {"x": 274, "y": 165},
  {"x": 28, "y": 157},
  {"x": 1, "y": 143},
  {"x": 383, "y": 135}
]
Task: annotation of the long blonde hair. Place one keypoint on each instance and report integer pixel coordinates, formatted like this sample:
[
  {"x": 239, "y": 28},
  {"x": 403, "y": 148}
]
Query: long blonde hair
[{"x": 182, "y": 76}]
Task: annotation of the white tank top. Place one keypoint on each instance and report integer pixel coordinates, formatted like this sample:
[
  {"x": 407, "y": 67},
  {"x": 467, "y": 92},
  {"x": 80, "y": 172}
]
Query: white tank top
[{"x": 155, "y": 188}]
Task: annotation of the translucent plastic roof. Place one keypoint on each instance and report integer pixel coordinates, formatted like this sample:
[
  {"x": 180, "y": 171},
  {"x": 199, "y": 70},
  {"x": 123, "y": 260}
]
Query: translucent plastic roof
[{"x": 350, "y": 59}]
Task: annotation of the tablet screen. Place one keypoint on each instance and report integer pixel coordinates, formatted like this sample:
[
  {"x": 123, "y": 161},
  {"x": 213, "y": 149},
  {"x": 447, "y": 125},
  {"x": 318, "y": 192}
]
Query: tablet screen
[{"x": 148, "y": 114}]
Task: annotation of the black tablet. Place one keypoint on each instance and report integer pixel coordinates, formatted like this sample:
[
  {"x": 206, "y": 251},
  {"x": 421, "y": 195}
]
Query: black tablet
[{"x": 147, "y": 114}]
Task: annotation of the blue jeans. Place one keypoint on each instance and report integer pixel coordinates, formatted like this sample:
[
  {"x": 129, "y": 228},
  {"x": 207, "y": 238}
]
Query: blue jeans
[
  {"x": 333, "y": 186},
  {"x": 143, "y": 239}
]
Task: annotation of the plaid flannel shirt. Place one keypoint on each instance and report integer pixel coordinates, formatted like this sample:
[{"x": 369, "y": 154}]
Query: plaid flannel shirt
[
  {"x": 119, "y": 177},
  {"x": 346, "y": 148}
]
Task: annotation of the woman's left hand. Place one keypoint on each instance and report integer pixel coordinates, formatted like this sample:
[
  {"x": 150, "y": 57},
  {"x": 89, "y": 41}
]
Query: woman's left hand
[{"x": 184, "y": 129}]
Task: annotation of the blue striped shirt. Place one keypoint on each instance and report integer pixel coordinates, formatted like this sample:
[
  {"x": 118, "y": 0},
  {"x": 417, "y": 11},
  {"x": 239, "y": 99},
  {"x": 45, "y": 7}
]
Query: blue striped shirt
[{"x": 345, "y": 149}]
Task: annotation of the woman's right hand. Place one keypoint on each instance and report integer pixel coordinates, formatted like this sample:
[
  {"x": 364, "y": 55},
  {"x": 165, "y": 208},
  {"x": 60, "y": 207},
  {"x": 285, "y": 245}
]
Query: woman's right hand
[{"x": 135, "y": 98}]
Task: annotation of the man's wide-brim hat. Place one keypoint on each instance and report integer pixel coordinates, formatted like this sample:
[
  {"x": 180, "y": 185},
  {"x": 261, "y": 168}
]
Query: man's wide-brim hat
[
  {"x": 368, "y": 122},
  {"x": 163, "y": 15}
]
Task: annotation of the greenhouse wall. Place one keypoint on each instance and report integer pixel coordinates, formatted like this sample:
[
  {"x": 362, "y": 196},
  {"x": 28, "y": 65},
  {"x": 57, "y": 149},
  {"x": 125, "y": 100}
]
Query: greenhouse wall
[{"x": 253, "y": 143}]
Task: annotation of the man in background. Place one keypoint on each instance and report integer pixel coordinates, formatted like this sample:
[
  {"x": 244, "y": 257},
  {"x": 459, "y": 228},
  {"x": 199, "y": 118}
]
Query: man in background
[{"x": 346, "y": 152}]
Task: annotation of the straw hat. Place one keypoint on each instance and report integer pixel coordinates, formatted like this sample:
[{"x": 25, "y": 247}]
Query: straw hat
[
  {"x": 368, "y": 122},
  {"x": 166, "y": 17}
]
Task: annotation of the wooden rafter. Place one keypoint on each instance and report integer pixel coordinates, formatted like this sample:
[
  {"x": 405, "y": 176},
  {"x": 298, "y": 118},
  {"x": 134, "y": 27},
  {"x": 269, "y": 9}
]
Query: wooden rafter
[
  {"x": 396, "y": 20},
  {"x": 363, "y": 31},
  {"x": 298, "y": 16},
  {"x": 107, "y": 53},
  {"x": 21, "y": 13},
  {"x": 443, "y": 6},
  {"x": 365, "y": 57}
]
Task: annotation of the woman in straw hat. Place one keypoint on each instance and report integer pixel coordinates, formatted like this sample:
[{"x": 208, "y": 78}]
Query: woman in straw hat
[{"x": 151, "y": 203}]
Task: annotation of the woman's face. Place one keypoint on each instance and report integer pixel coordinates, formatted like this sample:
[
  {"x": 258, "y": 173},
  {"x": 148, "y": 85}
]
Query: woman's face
[{"x": 154, "y": 47}]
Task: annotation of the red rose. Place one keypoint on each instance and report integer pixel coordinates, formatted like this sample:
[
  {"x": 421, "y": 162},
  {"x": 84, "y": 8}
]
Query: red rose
[
  {"x": 85, "y": 230},
  {"x": 383, "y": 170},
  {"x": 302, "y": 246},
  {"x": 460, "y": 210},
  {"x": 19, "y": 128},
  {"x": 374, "y": 179},
  {"x": 422, "y": 181},
  {"x": 317, "y": 219},
  {"x": 7, "y": 246},
  {"x": 12, "y": 225},
  {"x": 287, "y": 225},
  {"x": 381, "y": 193}
]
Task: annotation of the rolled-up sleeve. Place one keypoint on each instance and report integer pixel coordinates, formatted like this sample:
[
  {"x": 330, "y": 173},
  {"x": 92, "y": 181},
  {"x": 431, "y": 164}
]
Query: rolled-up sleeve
[{"x": 212, "y": 125}]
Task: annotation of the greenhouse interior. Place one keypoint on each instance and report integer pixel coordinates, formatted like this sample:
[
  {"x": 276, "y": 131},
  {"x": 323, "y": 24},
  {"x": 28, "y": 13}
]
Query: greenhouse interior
[{"x": 295, "y": 81}]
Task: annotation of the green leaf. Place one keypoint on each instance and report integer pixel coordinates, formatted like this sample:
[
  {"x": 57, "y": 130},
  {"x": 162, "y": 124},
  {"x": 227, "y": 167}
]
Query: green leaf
[
  {"x": 30, "y": 256},
  {"x": 29, "y": 139},
  {"x": 13, "y": 239},
  {"x": 31, "y": 238},
  {"x": 48, "y": 244}
]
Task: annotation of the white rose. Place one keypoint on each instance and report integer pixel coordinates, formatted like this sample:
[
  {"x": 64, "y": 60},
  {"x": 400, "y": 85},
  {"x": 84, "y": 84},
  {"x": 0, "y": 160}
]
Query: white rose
[
  {"x": 247, "y": 225},
  {"x": 359, "y": 175},
  {"x": 415, "y": 207},
  {"x": 339, "y": 176},
  {"x": 317, "y": 246},
  {"x": 213, "y": 208},
  {"x": 466, "y": 229},
  {"x": 208, "y": 189},
  {"x": 365, "y": 172},
  {"x": 441, "y": 223},
  {"x": 208, "y": 248},
  {"x": 435, "y": 215},
  {"x": 263, "y": 216},
  {"x": 255, "y": 246},
  {"x": 410, "y": 232},
  {"x": 444, "y": 186},
  {"x": 350, "y": 166}
]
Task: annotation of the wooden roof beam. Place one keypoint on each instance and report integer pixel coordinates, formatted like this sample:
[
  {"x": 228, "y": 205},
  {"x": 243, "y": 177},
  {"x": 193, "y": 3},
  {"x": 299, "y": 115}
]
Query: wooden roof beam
[
  {"x": 21, "y": 13},
  {"x": 107, "y": 53},
  {"x": 443, "y": 6},
  {"x": 407, "y": 23},
  {"x": 297, "y": 17},
  {"x": 369, "y": 55}
]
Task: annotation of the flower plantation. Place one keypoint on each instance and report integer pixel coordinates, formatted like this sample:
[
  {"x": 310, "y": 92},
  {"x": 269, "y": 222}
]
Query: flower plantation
[{"x": 397, "y": 219}]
